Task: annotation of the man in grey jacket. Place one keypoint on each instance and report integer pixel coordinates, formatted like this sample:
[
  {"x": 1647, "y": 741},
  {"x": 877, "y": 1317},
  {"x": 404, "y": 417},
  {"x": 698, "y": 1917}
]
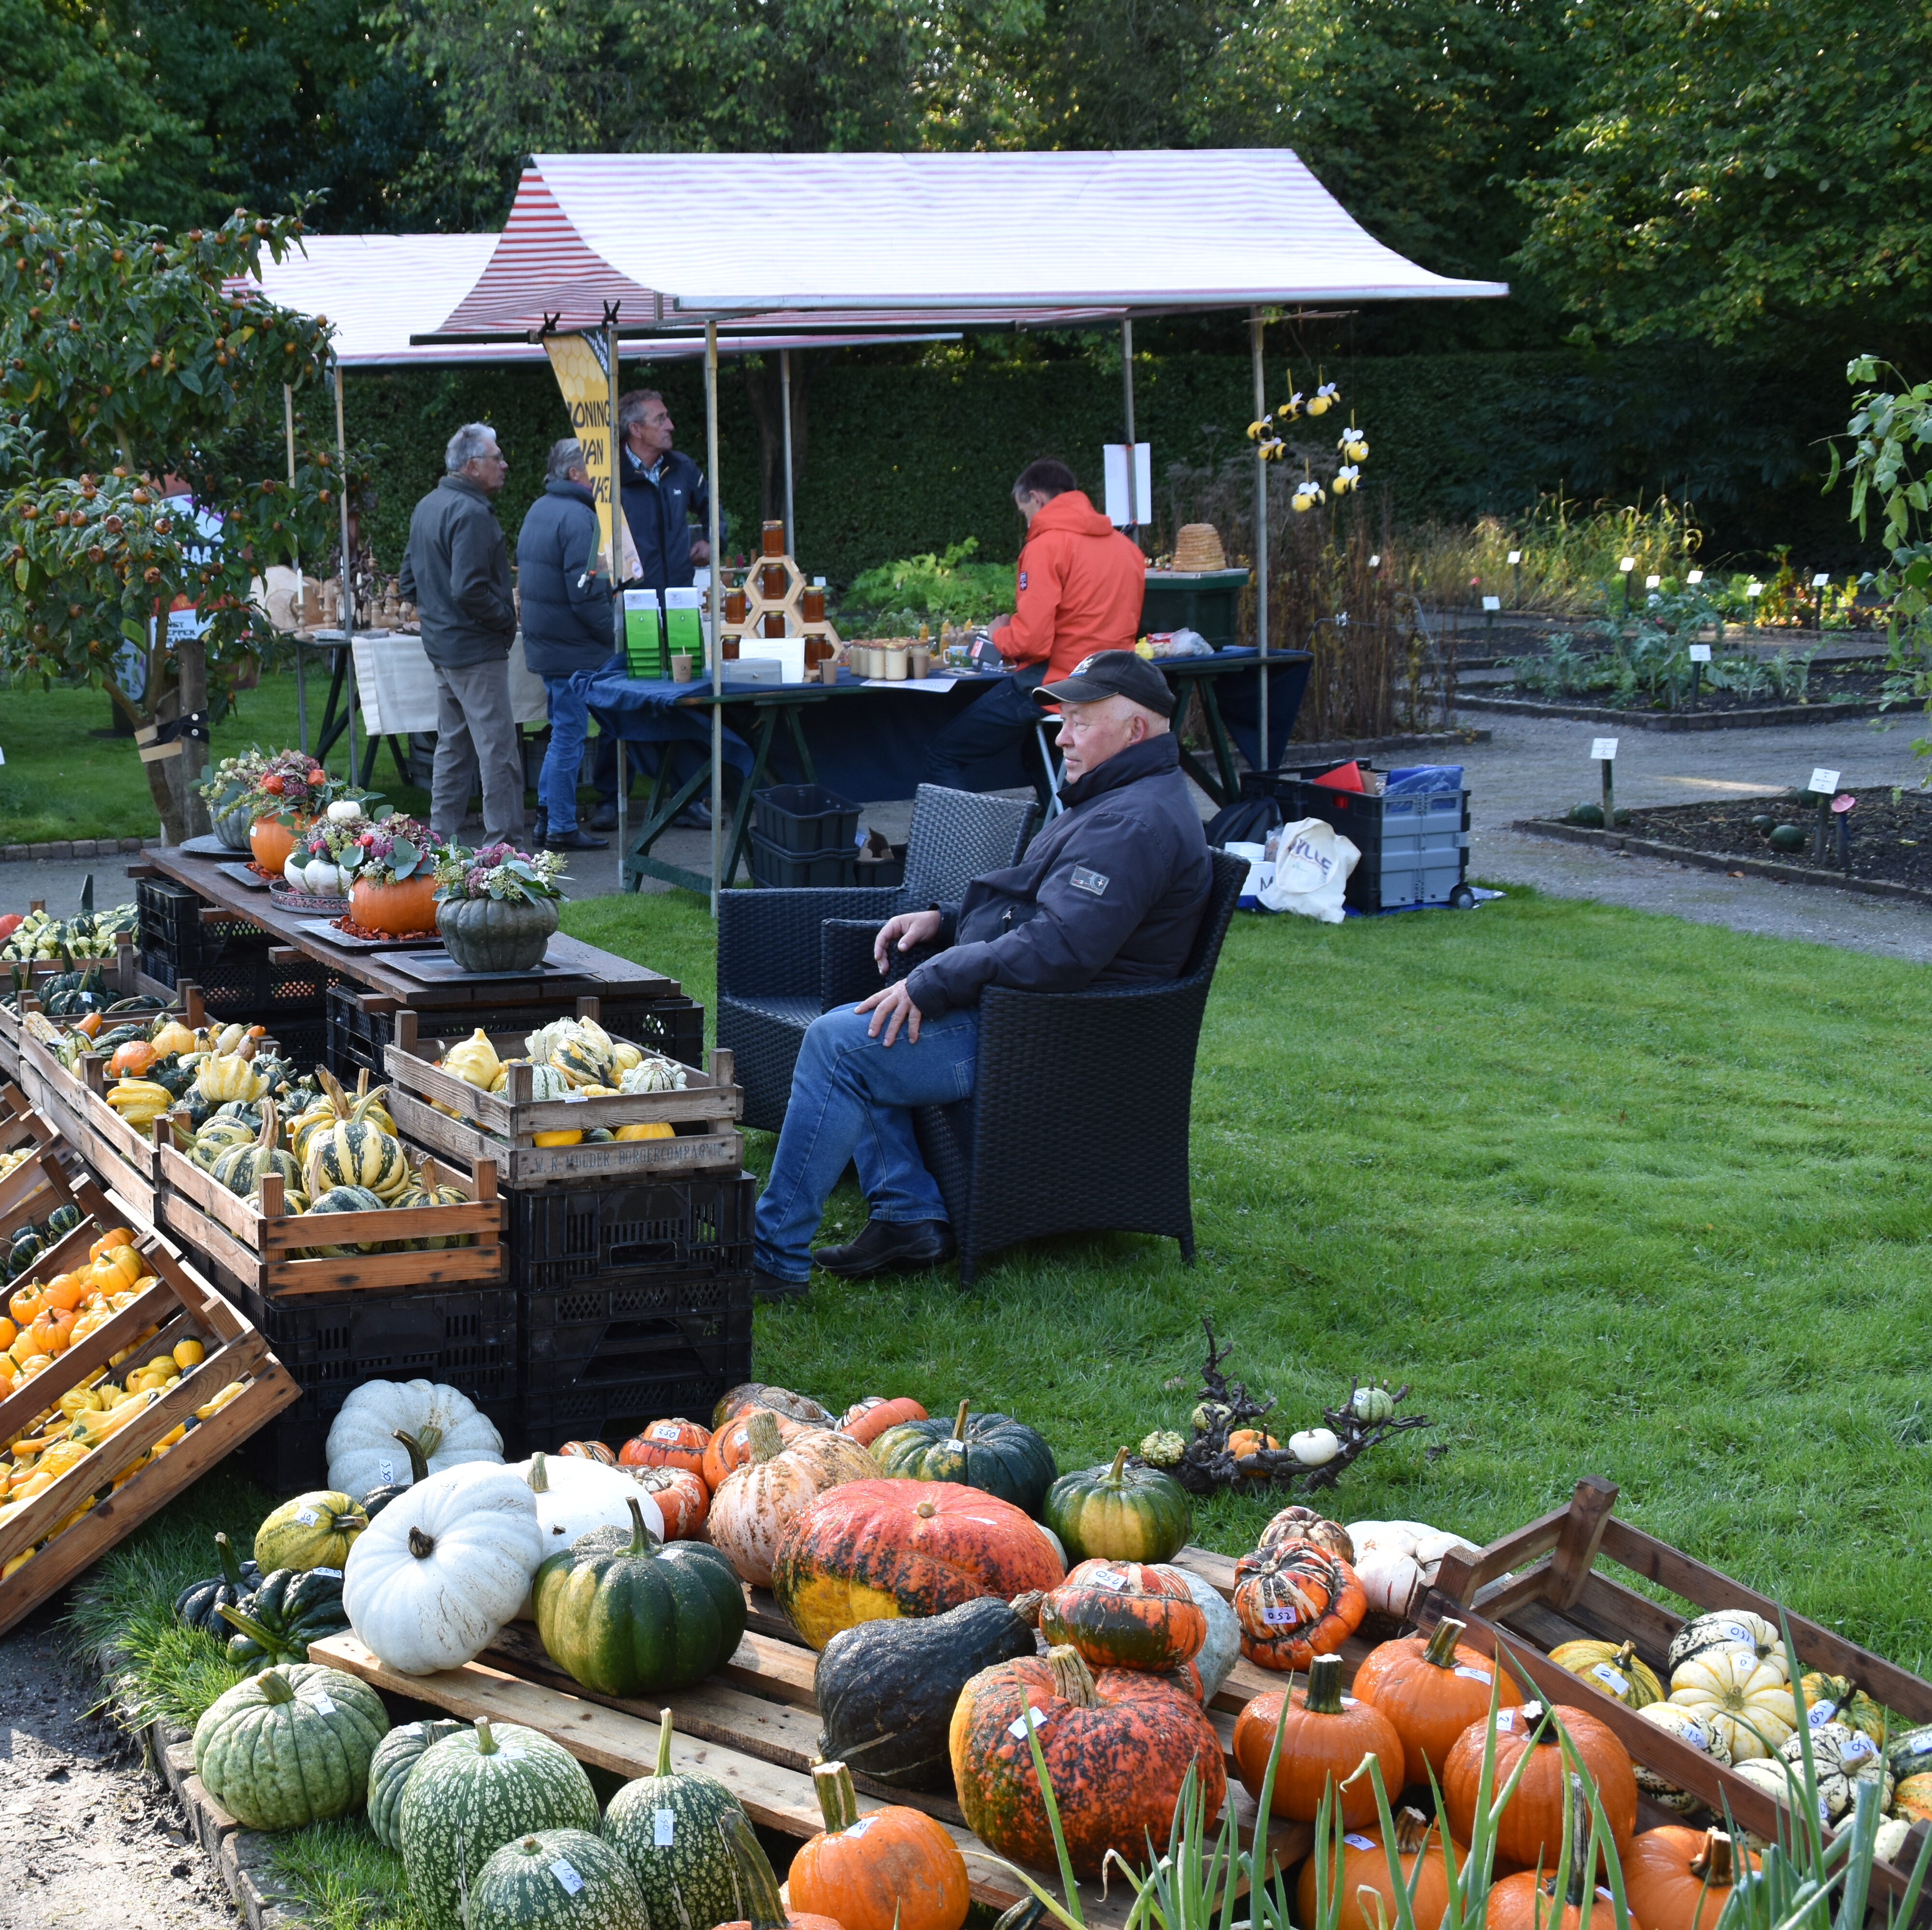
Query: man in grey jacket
[{"x": 457, "y": 572}]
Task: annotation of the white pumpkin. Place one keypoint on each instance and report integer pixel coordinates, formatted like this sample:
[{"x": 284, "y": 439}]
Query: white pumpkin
[
  {"x": 1842, "y": 1757},
  {"x": 291, "y": 870},
  {"x": 1314, "y": 1447},
  {"x": 1730, "y": 1628},
  {"x": 1783, "y": 1785},
  {"x": 1688, "y": 1729},
  {"x": 1424, "y": 1545},
  {"x": 1390, "y": 1579},
  {"x": 1738, "y": 1696},
  {"x": 433, "y": 1578},
  {"x": 574, "y": 1495},
  {"x": 444, "y": 1428},
  {"x": 1889, "y": 1844},
  {"x": 1221, "y": 1649},
  {"x": 322, "y": 878}
]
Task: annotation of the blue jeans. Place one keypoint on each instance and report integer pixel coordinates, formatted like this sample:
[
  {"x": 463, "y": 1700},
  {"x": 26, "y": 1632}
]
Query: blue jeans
[
  {"x": 851, "y": 1099},
  {"x": 569, "y": 725}
]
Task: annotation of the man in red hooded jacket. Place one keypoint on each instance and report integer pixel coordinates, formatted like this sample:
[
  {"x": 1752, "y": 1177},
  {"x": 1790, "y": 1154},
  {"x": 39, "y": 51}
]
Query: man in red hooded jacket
[{"x": 1079, "y": 588}]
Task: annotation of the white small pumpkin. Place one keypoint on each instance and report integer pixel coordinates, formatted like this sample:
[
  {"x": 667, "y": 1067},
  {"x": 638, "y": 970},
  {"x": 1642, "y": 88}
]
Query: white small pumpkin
[
  {"x": 1889, "y": 1844},
  {"x": 1688, "y": 1729},
  {"x": 1842, "y": 1757},
  {"x": 322, "y": 878},
  {"x": 1779, "y": 1782},
  {"x": 1730, "y": 1628},
  {"x": 344, "y": 811},
  {"x": 292, "y": 871},
  {"x": 1218, "y": 1654},
  {"x": 1741, "y": 1698},
  {"x": 573, "y": 1495},
  {"x": 445, "y": 1427},
  {"x": 1314, "y": 1447},
  {"x": 1390, "y": 1579},
  {"x": 1426, "y": 1546},
  {"x": 433, "y": 1578}
]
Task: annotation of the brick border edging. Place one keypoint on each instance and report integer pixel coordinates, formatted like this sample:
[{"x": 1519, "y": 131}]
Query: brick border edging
[
  {"x": 1780, "y": 874},
  {"x": 1668, "y": 720},
  {"x": 77, "y": 848}
]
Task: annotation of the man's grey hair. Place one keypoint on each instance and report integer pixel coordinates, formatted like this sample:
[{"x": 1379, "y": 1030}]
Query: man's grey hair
[
  {"x": 474, "y": 439},
  {"x": 632, "y": 405},
  {"x": 565, "y": 454}
]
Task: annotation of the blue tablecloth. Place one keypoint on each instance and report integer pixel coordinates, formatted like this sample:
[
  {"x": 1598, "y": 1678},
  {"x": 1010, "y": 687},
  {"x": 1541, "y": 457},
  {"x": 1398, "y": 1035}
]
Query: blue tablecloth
[
  {"x": 1239, "y": 698},
  {"x": 645, "y": 710}
]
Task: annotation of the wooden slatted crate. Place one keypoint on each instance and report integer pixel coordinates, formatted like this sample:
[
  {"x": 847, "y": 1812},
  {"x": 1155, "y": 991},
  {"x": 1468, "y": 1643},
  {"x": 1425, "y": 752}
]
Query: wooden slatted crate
[
  {"x": 256, "y": 1242},
  {"x": 1541, "y": 1585},
  {"x": 505, "y": 1125},
  {"x": 88, "y": 1509}
]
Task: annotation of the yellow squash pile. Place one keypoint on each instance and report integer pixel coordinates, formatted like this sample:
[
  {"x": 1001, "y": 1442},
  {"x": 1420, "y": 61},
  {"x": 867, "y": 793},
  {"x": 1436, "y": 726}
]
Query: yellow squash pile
[{"x": 567, "y": 1058}]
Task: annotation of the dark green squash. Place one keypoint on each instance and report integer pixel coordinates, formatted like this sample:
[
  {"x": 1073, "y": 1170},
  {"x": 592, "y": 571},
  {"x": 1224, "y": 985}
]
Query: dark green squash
[
  {"x": 683, "y": 1868},
  {"x": 996, "y": 1453},
  {"x": 62, "y": 1220},
  {"x": 198, "y": 1605},
  {"x": 1119, "y": 1514},
  {"x": 886, "y": 1690},
  {"x": 391, "y": 1767},
  {"x": 292, "y": 1608},
  {"x": 626, "y": 1614}
]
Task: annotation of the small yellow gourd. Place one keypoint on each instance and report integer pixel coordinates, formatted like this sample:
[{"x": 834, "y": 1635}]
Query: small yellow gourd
[
  {"x": 474, "y": 1060},
  {"x": 227, "y": 1076},
  {"x": 173, "y": 1037},
  {"x": 649, "y": 1128},
  {"x": 559, "y": 1138}
]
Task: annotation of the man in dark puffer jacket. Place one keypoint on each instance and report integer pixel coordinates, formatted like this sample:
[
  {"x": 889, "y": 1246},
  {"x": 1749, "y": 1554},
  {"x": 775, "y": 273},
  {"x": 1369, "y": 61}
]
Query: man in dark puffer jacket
[{"x": 1111, "y": 893}]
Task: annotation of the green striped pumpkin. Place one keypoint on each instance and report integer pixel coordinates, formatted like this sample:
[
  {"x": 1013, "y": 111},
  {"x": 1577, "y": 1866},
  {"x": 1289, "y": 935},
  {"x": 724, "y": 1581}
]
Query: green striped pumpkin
[
  {"x": 445, "y": 1195},
  {"x": 475, "y": 1791},
  {"x": 555, "y": 1879},
  {"x": 290, "y": 1746},
  {"x": 344, "y": 1200},
  {"x": 390, "y": 1768},
  {"x": 353, "y": 1152},
  {"x": 217, "y": 1137},
  {"x": 688, "y": 1880},
  {"x": 241, "y": 1169}
]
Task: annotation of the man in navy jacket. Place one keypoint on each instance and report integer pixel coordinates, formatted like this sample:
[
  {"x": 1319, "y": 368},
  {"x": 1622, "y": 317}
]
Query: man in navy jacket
[
  {"x": 1112, "y": 892},
  {"x": 567, "y": 628}
]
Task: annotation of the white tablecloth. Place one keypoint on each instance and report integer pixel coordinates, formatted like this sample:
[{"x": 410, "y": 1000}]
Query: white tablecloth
[{"x": 396, "y": 690}]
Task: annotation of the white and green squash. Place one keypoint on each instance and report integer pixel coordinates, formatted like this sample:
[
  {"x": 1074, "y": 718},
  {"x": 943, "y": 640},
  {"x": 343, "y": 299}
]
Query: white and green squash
[
  {"x": 470, "y": 1794},
  {"x": 665, "y": 1827},
  {"x": 392, "y": 1765},
  {"x": 290, "y": 1746},
  {"x": 354, "y": 1152},
  {"x": 343, "y": 1200},
  {"x": 557, "y": 1880},
  {"x": 315, "y": 1530},
  {"x": 370, "y": 1439},
  {"x": 1729, "y": 1628}
]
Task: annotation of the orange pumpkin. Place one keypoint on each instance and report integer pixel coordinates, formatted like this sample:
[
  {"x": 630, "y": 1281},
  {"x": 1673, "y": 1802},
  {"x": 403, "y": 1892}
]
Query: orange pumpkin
[
  {"x": 1324, "y": 1737},
  {"x": 66, "y": 1290},
  {"x": 1246, "y": 1441},
  {"x": 1125, "y": 1614},
  {"x": 409, "y": 906},
  {"x": 895, "y": 1869},
  {"x": 53, "y": 1332},
  {"x": 756, "y": 1502},
  {"x": 115, "y": 1236},
  {"x": 730, "y": 1447},
  {"x": 1531, "y": 1827},
  {"x": 9, "y": 1333},
  {"x": 25, "y": 1302},
  {"x": 588, "y": 1450},
  {"x": 272, "y": 843},
  {"x": 1680, "y": 1879},
  {"x": 675, "y": 1443},
  {"x": 1566, "y": 1899},
  {"x": 740, "y": 1400},
  {"x": 681, "y": 1497},
  {"x": 90, "y": 1026},
  {"x": 133, "y": 1059},
  {"x": 866, "y": 1419},
  {"x": 1294, "y": 1601},
  {"x": 1431, "y": 1689},
  {"x": 1366, "y": 1865},
  {"x": 1117, "y": 1747},
  {"x": 757, "y": 1883}
]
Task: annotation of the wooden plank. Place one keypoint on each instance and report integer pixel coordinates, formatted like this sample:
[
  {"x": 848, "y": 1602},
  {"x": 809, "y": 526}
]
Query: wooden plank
[
  {"x": 1458, "y": 1577},
  {"x": 1576, "y": 1544}
]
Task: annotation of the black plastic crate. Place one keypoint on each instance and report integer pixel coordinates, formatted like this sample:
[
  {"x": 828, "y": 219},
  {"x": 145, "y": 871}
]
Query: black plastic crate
[
  {"x": 172, "y": 930},
  {"x": 612, "y": 1411},
  {"x": 236, "y": 981},
  {"x": 776, "y": 869},
  {"x": 356, "y": 1038},
  {"x": 291, "y": 1453},
  {"x": 559, "y": 1236},
  {"x": 1414, "y": 846},
  {"x": 618, "y": 1329},
  {"x": 804, "y": 817},
  {"x": 466, "y": 1341}
]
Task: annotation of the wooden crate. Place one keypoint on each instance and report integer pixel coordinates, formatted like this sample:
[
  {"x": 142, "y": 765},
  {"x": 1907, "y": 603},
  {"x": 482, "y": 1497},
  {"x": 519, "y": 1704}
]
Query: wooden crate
[
  {"x": 1541, "y": 1586},
  {"x": 179, "y": 1305},
  {"x": 754, "y": 1725},
  {"x": 254, "y": 1240},
  {"x": 504, "y": 1125},
  {"x": 124, "y": 978},
  {"x": 75, "y": 1104}
]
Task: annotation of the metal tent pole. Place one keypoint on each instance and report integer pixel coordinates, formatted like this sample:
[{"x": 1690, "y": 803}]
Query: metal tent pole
[
  {"x": 301, "y": 692},
  {"x": 1127, "y": 398},
  {"x": 617, "y": 595},
  {"x": 714, "y": 611},
  {"x": 346, "y": 606},
  {"x": 1255, "y": 326},
  {"x": 784, "y": 401}
]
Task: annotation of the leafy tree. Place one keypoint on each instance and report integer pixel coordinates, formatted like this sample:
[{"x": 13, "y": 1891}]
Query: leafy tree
[
  {"x": 1743, "y": 169},
  {"x": 126, "y": 359}
]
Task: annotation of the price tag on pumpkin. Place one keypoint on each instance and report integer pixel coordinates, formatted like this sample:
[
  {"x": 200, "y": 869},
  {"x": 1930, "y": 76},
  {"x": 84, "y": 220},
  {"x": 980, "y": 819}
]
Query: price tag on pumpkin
[
  {"x": 1281, "y": 1618},
  {"x": 1736, "y": 1632},
  {"x": 1473, "y": 1675},
  {"x": 958, "y": 1446},
  {"x": 1617, "y": 1684},
  {"x": 1506, "y": 1722},
  {"x": 1856, "y": 1747},
  {"x": 567, "y": 1876},
  {"x": 1355, "y": 1842},
  {"x": 321, "y": 1704},
  {"x": 577, "y": 1099},
  {"x": 307, "y": 1517},
  {"x": 665, "y": 1431},
  {"x": 860, "y": 1828},
  {"x": 664, "y": 1827},
  {"x": 334, "y": 1574},
  {"x": 1106, "y": 1578},
  {"x": 1822, "y": 1712},
  {"x": 1034, "y": 1719},
  {"x": 386, "y": 1471}
]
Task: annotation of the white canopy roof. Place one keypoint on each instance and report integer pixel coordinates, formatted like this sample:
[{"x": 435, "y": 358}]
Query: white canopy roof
[{"x": 797, "y": 239}]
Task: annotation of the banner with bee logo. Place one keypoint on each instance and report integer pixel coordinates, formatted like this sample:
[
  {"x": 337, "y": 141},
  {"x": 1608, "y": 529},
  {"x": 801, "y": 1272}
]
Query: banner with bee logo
[{"x": 583, "y": 373}]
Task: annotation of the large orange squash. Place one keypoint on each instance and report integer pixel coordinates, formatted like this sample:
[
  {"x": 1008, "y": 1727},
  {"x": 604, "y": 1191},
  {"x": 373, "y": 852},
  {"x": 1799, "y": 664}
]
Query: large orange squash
[
  {"x": 675, "y": 1443},
  {"x": 1680, "y": 1879},
  {"x": 1432, "y": 1689},
  {"x": 872, "y": 1550},
  {"x": 407, "y": 907},
  {"x": 1294, "y": 1601},
  {"x": 1117, "y": 1747},
  {"x": 895, "y": 1868},
  {"x": 681, "y": 1497},
  {"x": 1323, "y": 1741},
  {"x": 271, "y": 843},
  {"x": 731, "y": 1446},
  {"x": 1530, "y": 1828},
  {"x": 756, "y": 1503},
  {"x": 1366, "y": 1865}
]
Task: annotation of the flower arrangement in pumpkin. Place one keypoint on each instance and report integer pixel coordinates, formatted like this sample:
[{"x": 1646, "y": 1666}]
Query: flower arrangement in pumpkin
[
  {"x": 500, "y": 872},
  {"x": 287, "y": 786},
  {"x": 388, "y": 870}
]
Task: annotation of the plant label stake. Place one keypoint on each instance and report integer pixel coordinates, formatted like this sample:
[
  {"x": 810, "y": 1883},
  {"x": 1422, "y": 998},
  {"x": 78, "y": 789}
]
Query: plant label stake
[
  {"x": 1700, "y": 655},
  {"x": 1821, "y": 582},
  {"x": 1491, "y": 604},
  {"x": 1841, "y": 808},
  {"x": 1627, "y": 565},
  {"x": 1604, "y": 750},
  {"x": 1515, "y": 578},
  {"x": 1825, "y": 783}
]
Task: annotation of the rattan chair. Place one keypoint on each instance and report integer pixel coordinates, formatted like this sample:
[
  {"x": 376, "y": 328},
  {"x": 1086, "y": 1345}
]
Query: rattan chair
[{"x": 771, "y": 961}]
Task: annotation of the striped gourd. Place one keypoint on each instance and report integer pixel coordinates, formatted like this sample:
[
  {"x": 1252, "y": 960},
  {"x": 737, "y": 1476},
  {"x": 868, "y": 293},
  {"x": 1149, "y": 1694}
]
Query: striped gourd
[
  {"x": 343, "y": 1200},
  {"x": 219, "y": 1135},
  {"x": 242, "y": 1168},
  {"x": 555, "y": 1879},
  {"x": 353, "y": 1153},
  {"x": 579, "y": 1063},
  {"x": 684, "y": 1869},
  {"x": 446, "y": 1196},
  {"x": 475, "y": 1791},
  {"x": 390, "y": 1768}
]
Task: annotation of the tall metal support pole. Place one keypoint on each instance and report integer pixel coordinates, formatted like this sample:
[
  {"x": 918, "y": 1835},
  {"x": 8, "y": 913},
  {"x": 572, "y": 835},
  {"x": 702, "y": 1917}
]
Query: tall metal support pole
[
  {"x": 1255, "y": 326},
  {"x": 784, "y": 403},
  {"x": 616, "y": 578},
  {"x": 1134, "y": 505},
  {"x": 714, "y": 611},
  {"x": 345, "y": 609},
  {"x": 301, "y": 692}
]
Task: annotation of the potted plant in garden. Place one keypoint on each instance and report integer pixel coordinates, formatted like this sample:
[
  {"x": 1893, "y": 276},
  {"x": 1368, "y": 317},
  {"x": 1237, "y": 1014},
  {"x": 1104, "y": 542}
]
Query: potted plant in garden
[
  {"x": 228, "y": 792},
  {"x": 389, "y": 871},
  {"x": 496, "y": 908}
]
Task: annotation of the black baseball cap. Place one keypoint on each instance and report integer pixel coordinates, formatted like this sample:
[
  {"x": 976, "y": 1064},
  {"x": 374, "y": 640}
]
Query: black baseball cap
[{"x": 1111, "y": 673}]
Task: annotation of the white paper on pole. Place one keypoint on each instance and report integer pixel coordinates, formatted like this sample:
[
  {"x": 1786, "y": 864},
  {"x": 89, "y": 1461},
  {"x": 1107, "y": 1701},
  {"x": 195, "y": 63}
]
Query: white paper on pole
[
  {"x": 1603, "y": 748},
  {"x": 1700, "y": 653},
  {"x": 1493, "y": 603},
  {"x": 1823, "y": 780},
  {"x": 1120, "y": 512}
]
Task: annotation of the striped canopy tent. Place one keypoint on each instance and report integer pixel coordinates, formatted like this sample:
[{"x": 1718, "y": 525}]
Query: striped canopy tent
[{"x": 662, "y": 246}]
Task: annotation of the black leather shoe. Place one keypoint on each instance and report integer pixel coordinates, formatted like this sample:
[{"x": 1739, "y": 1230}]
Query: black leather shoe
[
  {"x": 768, "y": 1287},
  {"x": 695, "y": 817},
  {"x": 576, "y": 841},
  {"x": 605, "y": 817},
  {"x": 883, "y": 1247}
]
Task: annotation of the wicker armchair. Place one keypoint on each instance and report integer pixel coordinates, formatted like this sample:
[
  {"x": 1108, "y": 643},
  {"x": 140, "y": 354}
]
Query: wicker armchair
[
  {"x": 772, "y": 965},
  {"x": 1079, "y": 1117}
]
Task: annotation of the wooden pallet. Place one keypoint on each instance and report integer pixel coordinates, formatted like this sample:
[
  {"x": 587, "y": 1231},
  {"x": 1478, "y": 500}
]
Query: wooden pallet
[
  {"x": 503, "y": 1126},
  {"x": 255, "y": 1241},
  {"x": 178, "y": 1305},
  {"x": 754, "y": 1725},
  {"x": 1541, "y": 1586}
]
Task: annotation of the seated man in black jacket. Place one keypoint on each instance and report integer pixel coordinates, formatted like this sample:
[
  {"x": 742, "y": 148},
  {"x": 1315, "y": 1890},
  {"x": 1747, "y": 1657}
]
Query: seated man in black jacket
[{"x": 1111, "y": 893}]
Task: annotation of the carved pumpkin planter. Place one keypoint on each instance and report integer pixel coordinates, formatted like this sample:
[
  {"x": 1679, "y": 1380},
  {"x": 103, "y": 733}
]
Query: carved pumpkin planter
[{"x": 272, "y": 842}]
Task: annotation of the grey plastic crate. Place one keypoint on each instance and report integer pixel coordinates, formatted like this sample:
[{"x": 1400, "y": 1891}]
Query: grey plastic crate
[{"x": 1414, "y": 847}]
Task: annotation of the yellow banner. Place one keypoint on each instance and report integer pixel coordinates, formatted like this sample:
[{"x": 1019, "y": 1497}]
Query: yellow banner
[{"x": 578, "y": 363}]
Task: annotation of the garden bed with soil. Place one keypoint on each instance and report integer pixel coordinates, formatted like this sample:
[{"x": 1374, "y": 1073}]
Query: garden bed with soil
[
  {"x": 1891, "y": 840},
  {"x": 1832, "y": 690}
]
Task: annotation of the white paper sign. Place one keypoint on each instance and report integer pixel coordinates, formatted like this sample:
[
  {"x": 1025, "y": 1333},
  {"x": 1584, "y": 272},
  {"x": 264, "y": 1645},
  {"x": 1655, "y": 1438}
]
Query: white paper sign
[
  {"x": 1493, "y": 603},
  {"x": 1822, "y": 580},
  {"x": 321, "y": 1704},
  {"x": 568, "y": 1877},
  {"x": 307, "y": 1517},
  {"x": 1603, "y": 749},
  {"x": 958, "y": 1446},
  {"x": 664, "y": 1828},
  {"x": 1281, "y": 1618},
  {"x": 1700, "y": 653},
  {"x": 1474, "y": 1675},
  {"x": 1121, "y": 512},
  {"x": 1616, "y": 1684},
  {"x": 386, "y": 1471},
  {"x": 665, "y": 1430},
  {"x": 1823, "y": 780},
  {"x": 1822, "y": 1712},
  {"x": 1355, "y": 1842}
]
